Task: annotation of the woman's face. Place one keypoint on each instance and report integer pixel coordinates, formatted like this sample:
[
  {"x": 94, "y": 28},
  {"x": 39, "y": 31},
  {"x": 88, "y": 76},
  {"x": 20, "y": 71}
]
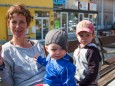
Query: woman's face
[{"x": 18, "y": 25}]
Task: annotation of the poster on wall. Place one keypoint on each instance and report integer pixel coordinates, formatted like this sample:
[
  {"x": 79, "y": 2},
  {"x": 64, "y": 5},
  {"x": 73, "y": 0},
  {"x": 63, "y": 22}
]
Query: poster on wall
[
  {"x": 92, "y": 7},
  {"x": 75, "y": 4},
  {"x": 83, "y": 5}
]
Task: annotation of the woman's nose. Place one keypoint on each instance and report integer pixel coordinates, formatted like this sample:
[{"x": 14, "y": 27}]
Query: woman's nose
[{"x": 17, "y": 25}]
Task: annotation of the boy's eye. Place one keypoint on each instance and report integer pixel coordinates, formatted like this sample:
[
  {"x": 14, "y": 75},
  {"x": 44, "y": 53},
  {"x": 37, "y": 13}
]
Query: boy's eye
[
  {"x": 57, "y": 49},
  {"x": 80, "y": 35},
  {"x": 88, "y": 35},
  {"x": 53, "y": 49}
]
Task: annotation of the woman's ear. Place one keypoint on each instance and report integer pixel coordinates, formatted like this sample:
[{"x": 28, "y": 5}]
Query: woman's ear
[{"x": 8, "y": 22}]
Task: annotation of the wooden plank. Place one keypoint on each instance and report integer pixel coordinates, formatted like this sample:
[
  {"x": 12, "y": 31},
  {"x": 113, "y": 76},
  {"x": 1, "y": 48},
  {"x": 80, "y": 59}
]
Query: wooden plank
[
  {"x": 107, "y": 78},
  {"x": 110, "y": 60},
  {"x": 107, "y": 70},
  {"x": 104, "y": 66}
]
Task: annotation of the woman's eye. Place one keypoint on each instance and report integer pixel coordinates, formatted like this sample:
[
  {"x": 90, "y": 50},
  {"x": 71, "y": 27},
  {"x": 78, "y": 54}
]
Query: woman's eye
[{"x": 13, "y": 22}]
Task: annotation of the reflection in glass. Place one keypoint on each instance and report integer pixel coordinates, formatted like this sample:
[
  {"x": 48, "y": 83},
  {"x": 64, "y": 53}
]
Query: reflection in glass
[
  {"x": 42, "y": 27},
  {"x": 38, "y": 29},
  {"x": 73, "y": 20}
]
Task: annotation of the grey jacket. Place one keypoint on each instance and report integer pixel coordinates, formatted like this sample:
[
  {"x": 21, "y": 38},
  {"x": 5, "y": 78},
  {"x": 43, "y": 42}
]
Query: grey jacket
[{"x": 87, "y": 61}]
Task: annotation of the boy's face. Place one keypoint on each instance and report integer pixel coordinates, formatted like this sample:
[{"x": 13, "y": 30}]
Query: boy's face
[
  {"x": 85, "y": 37},
  {"x": 55, "y": 51}
]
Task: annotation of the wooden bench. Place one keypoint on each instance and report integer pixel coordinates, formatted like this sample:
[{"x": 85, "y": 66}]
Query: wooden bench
[
  {"x": 72, "y": 45},
  {"x": 107, "y": 45},
  {"x": 107, "y": 41},
  {"x": 107, "y": 70}
]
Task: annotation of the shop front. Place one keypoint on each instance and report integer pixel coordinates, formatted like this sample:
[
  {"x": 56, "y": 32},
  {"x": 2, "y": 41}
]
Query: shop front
[{"x": 69, "y": 15}]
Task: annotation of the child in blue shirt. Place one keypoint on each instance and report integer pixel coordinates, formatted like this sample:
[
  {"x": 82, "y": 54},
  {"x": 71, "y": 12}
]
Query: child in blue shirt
[{"x": 59, "y": 70}]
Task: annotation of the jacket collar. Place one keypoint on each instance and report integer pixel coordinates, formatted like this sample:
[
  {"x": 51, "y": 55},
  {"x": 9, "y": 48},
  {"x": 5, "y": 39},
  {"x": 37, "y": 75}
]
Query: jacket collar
[{"x": 66, "y": 57}]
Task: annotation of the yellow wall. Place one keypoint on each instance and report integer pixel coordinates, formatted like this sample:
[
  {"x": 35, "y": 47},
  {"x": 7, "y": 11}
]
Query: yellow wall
[
  {"x": 47, "y": 3},
  {"x": 37, "y": 3},
  {"x": 2, "y": 23}
]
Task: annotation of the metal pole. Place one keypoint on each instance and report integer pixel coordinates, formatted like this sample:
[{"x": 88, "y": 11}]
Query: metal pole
[
  {"x": 113, "y": 11},
  {"x": 102, "y": 26}
]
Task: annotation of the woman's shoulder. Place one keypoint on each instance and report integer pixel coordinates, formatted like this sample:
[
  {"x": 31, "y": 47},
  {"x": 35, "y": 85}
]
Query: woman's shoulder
[
  {"x": 6, "y": 45},
  {"x": 35, "y": 42}
]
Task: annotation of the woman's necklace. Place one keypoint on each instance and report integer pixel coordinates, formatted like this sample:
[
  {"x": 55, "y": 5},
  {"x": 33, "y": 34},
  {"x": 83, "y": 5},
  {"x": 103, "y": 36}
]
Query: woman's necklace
[{"x": 25, "y": 44}]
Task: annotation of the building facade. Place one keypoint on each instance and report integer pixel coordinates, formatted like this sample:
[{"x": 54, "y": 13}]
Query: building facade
[
  {"x": 106, "y": 13},
  {"x": 42, "y": 14},
  {"x": 70, "y": 12},
  {"x": 59, "y": 14}
]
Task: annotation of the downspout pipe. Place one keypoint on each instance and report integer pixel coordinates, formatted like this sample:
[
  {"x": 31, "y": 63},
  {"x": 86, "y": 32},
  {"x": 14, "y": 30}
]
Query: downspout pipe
[
  {"x": 102, "y": 10},
  {"x": 113, "y": 11}
]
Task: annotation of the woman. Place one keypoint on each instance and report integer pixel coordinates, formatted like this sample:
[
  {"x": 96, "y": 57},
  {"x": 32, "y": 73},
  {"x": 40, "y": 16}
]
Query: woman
[{"x": 18, "y": 67}]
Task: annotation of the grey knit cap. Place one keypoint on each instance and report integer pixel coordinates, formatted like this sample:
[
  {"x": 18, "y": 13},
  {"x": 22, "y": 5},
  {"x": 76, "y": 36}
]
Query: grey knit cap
[{"x": 57, "y": 36}]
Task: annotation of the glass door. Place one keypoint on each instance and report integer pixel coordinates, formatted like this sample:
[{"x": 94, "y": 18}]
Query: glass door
[
  {"x": 64, "y": 20},
  {"x": 90, "y": 16},
  {"x": 80, "y": 17},
  {"x": 42, "y": 27}
]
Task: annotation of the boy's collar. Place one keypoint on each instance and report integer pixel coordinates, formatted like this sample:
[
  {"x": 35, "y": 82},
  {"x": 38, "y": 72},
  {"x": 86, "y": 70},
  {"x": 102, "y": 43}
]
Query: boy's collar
[
  {"x": 90, "y": 44},
  {"x": 66, "y": 57}
]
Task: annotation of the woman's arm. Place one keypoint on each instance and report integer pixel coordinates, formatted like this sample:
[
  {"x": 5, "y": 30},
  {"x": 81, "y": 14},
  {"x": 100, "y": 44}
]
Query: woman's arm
[
  {"x": 5, "y": 72},
  {"x": 5, "y": 75}
]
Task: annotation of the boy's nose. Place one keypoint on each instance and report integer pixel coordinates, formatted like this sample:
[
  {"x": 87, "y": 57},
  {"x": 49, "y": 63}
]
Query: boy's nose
[{"x": 58, "y": 51}]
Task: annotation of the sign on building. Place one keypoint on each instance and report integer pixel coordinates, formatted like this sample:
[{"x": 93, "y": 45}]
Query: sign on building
[
  {"x": 83, "y": 5},
  {"x": 92, "y": 7},
  {"x": 59, "y": 1}
]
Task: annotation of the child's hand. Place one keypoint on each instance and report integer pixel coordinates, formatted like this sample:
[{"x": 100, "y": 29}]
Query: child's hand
[
  {"x": 36, "y": 56},
  {"x": 1, "y": 62}
]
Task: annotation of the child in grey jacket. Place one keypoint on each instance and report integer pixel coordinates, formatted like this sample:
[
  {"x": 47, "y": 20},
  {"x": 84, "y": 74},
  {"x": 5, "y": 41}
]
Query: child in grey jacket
[{"x": 87, "y": 56}]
